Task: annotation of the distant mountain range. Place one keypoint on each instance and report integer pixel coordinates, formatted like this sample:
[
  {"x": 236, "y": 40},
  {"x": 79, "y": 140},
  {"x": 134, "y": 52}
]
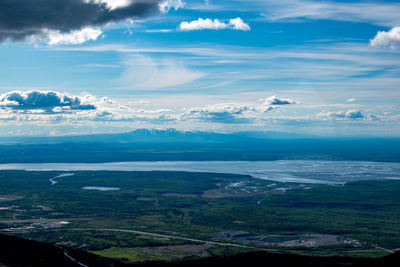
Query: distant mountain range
[
  {"x": 171, "y": 144},
  {"x": 154, "y": 135}
]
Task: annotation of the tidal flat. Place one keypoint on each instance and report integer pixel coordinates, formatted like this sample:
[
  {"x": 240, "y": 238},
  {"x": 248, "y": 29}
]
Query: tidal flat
[{"x": 295, "y": 171}]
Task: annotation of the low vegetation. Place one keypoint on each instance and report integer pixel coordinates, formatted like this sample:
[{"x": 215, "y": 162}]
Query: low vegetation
[{"x": 181, "y": 206}]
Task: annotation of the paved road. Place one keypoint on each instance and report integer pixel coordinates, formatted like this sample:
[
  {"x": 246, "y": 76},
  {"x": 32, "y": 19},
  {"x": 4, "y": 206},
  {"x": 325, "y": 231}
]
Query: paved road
[
  {"x": 384, "y": 249},
  {"x": 171, "y": 237},
  {"x": 196, "y": 240},
  {"x": 70, "y": 257},
  {"x": 187, "y": 238}
]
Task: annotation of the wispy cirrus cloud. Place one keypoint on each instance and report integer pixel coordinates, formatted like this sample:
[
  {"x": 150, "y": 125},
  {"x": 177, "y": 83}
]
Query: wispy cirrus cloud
[
  {"x": 142, "y": 72},
  {"x": 378, "y": 13},
  {"x": 321, "y": 67}
]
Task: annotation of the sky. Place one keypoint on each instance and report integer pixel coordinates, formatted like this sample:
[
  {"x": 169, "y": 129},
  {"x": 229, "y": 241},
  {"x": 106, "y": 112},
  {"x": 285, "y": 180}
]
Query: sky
[{"x": 326, "y": 68}]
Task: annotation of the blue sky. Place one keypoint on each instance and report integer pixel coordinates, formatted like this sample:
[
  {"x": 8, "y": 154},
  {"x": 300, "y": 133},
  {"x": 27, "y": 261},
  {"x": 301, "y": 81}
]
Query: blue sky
[{"x": 315, "y": 67}]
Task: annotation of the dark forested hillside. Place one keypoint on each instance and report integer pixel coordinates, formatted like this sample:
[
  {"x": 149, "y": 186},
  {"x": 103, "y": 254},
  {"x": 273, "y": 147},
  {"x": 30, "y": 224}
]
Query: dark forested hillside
[{"x": 16, "y": 251}]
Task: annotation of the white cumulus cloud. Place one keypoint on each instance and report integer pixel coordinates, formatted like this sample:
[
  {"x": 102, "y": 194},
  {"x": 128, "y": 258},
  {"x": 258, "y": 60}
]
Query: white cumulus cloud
[
  {"x": 234, "y": 113},
  {"x": 216, "y": 24},
  {"x": 171, "y": 4},
  {"x": 230, "y": 113},
  {"x": 239, "y": 24},
  {"x": 274, "y": 100},
  {"x": 353, "y": 114},
  {"x": 55, "y": 37},
  {"x": 45, "y": 100},
  {"x": 390, "y": 38}
]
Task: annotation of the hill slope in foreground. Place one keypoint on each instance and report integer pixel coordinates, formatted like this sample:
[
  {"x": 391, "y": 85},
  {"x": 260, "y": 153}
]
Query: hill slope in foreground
[{"x": 16, "y": 251}]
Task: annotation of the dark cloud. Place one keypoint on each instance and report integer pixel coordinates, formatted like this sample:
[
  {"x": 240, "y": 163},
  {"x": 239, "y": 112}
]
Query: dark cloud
[
  {"x": 23, "y": 18},
  {"x": 44, "y": 100}
]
